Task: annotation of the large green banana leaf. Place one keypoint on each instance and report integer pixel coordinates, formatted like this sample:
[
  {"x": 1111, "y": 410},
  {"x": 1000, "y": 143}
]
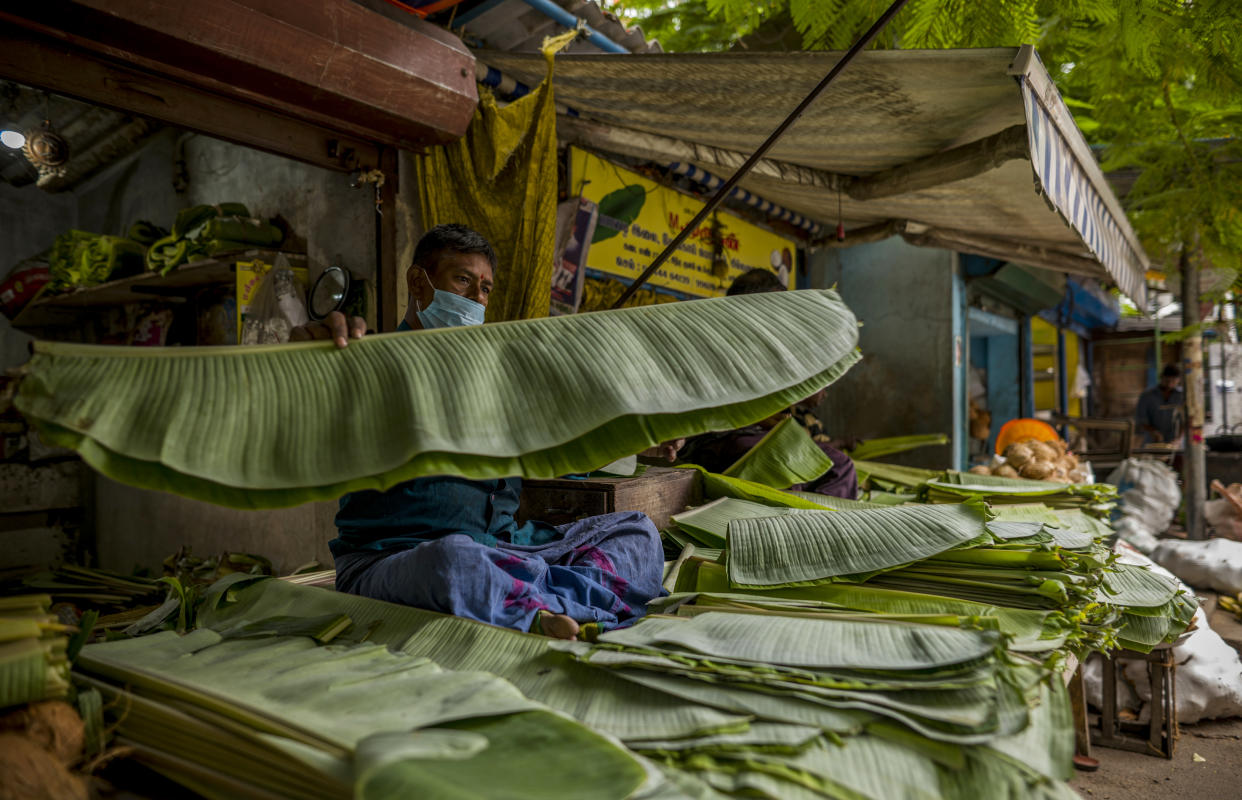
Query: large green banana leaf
[
  {"x": 1046, "y": 746},
  {"x": 1032, "y": 630},
  {"x": 894, "y": 474},
  {"x": 763, "y": 736},
  {"x": 1132, "y": 585},
  {"x": 529, "y": 662},
  {"x": 813, "y": 643},
  {"x": 867, "y": 765},
  {"x": 785, "y": 456},
  {"x": 761, "y": 705},
  {"x": 811, "y": 547},
  {"x": 281, "y": 425},
  {"x": 837, "y": 503},
  {"x": 709, "y": 524}
]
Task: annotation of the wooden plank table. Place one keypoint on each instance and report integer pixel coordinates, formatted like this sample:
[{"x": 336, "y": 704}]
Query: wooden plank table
[{"x": 659, "y": 493}]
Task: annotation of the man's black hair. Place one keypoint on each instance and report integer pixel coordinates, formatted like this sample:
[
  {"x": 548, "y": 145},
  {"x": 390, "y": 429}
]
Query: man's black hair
[
  {"x": 1171, "y": 371},
  {"x": 451, "y": 238},
  {"x": 755, "y": 281}
]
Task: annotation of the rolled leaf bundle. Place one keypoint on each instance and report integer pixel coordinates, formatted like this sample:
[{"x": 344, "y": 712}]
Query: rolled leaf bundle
[{"x": 265, "y": 427}]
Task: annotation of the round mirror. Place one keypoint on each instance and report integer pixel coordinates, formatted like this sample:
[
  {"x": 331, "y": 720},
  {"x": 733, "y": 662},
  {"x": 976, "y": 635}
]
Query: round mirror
[{"x": 329, "y": 293}]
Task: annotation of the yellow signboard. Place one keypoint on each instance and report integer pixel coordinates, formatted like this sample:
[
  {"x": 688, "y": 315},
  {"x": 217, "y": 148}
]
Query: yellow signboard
[{"x": 636, "y": 217}]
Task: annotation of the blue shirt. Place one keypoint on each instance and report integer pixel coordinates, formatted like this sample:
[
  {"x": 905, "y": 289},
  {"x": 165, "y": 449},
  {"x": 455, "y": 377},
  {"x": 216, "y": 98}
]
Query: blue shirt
[
  {"x": 1161, "y": 414},
  {"x": 423, "y": 509}
]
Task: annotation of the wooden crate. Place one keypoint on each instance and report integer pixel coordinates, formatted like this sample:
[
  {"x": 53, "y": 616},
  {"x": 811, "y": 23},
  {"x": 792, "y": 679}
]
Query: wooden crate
[{"x": 659, "y": 493}]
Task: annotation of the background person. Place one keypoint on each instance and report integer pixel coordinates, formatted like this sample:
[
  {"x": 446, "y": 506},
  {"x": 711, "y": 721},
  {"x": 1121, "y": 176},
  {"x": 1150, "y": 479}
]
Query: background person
[{"x": 1160, "y": 408}]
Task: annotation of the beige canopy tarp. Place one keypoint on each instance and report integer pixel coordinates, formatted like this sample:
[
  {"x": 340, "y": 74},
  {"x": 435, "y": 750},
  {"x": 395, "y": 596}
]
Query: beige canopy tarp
[{"x": 969, "y": 150}]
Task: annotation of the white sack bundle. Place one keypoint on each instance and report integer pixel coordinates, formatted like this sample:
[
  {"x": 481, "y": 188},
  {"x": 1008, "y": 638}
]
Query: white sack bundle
[
  {"x": 1214, "y": 564},
  {"x": 1209, "y": 671},
  {"x": 1149, "y": 498}
]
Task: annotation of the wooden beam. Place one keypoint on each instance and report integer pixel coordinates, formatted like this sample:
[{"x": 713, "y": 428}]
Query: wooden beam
[
  {"x": 387, "y": 268},
  {"x": 1017, "y": 252},
  {"x": 952, "y": 165},
  {"x": 949, "y": 166},
  {"x": 334, "y": 63},
  {"x": 80, "y": 74}
]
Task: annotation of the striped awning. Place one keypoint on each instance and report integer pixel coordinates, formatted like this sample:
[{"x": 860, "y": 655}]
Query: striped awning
[
  {"x": 967, "y": 150},
  {"x": 1075, "y": 186}
]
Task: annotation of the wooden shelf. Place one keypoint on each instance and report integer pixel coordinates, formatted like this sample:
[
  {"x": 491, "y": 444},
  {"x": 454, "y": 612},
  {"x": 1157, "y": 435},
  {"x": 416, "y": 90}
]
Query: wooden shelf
[{"x": 180, "y": 282}]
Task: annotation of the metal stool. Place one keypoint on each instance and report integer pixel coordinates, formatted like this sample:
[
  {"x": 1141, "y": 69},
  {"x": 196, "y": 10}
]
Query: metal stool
[{"x": 1160, "y": 733}]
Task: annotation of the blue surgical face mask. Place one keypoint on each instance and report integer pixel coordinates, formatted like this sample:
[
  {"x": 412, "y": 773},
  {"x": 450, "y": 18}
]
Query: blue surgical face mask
[{"x": 448, "y": 310}]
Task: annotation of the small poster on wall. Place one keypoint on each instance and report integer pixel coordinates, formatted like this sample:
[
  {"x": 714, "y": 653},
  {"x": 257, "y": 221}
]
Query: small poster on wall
[{"x": 578, "y": 219}]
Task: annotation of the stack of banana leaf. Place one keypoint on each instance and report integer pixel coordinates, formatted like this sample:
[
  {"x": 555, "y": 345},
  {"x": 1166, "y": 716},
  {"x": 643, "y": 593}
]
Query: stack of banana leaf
[
  {"x": 86, "y": 587},
  {"x": 852, "y": 706},
  {"x": 1043, "y": 576},
  {"x": 947, "y": 486},
  {"x": 34, "y": 662},
  {"x": 265, "y": 709},
  {"x": 957, "y": 487},
  {"x": 849, "y": 707}
]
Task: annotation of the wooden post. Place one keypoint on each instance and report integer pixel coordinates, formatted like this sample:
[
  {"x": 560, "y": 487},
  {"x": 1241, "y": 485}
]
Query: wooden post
[
  {"x": 387, "y": 271},
  {"x": 1194, "y": 467}
]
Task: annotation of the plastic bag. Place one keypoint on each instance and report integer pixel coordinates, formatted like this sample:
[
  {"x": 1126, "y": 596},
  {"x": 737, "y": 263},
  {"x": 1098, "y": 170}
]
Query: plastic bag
[
  {"x": 1215, "y": 564},
  {"x": 277, "y": 308},
  {"x": 1149, "y": 497}
]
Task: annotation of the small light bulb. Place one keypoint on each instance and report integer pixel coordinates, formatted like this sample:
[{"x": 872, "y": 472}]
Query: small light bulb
[{"x": 12, "y": 139}]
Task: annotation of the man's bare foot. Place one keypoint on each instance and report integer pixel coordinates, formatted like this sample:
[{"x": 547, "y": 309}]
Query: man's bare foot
[{"x": 558, "y": 626}]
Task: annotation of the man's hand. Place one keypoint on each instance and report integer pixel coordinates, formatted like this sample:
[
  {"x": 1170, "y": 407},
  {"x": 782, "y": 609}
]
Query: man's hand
[
  {"x": 334, "y": 326},
  {"x": 665, "y": 450}
]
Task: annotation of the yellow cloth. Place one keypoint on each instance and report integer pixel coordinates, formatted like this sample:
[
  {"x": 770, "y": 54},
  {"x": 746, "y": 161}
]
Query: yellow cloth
[{"x": 500, "y": 179}]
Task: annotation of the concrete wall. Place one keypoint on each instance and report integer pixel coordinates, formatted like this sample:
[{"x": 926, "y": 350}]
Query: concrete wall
[
  {"x": 139, "y": 528},
  {"x": 332, "y": 222},
  {"x": 910, "y": 379}
]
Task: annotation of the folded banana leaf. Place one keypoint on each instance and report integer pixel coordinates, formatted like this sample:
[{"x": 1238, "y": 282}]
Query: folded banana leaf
[
  {"x": 822, "y": 644},
  {"x": 785, "y": 456},
  {"x": 265, "y": 427},
  {"x": 708, "y": 524},
  {"x": 889, "y": 477},
  {"x": 811, "y": 547}
]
